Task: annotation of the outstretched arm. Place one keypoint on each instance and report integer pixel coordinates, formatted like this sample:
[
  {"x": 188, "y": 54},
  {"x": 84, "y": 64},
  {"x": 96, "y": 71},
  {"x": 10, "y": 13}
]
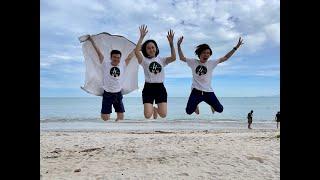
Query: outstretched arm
[
  {"x": 129, "y": 57},
  {"x": 100, "y": 55},
  {"x": 170, "y": 37},
  {"x": 181, "y": 56},
  {"x": 143, "y": 32},
  {"x": 229, "y": 54}
]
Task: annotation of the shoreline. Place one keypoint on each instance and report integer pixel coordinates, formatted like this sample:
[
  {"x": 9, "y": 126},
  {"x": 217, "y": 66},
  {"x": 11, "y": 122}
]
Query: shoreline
[{"x": 155, "y": 125}]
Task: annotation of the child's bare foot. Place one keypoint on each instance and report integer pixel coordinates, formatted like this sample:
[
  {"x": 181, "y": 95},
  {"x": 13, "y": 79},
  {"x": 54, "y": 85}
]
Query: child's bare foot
[
  {"x": 197, "y": 110},
  {"x": 155, "y": 113}
]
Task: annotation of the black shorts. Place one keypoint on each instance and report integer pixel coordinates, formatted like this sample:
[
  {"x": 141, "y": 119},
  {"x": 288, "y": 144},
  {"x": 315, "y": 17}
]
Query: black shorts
[
  {"x": 278, "y": 120},
  {"x": 154, "y": 92},
  {"x": 110, "y": 99}
]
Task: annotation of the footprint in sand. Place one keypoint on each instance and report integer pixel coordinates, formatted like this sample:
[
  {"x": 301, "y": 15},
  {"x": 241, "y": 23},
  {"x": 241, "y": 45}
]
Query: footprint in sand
[
  {"x": 50, "y": 157},
  {"x": 259, "y": 159},
  {"x": 57, "y": 151},
  {"x": 183, "y": 174}
]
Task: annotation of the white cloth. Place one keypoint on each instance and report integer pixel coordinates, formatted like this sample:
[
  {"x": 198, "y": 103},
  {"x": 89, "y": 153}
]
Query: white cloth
[
  {"x": 153, "y": 69},
  {"x": 112, "y": 75},
  {"x": 94, "y": 71},
  {"x": 202, "y": 73}
]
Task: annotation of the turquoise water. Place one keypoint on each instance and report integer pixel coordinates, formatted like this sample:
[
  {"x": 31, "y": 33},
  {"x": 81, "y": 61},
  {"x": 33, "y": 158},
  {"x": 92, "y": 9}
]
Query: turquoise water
[{"x": 88, "y": 109}]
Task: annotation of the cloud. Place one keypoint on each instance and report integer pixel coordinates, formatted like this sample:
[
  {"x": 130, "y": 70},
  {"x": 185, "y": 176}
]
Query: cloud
[
  {"x": 273, "y": 32},
  {"x": 61, "y": 57},
  {"x": 253, "y": 42},
  {"x": 269, "y": 72},
  {"x": 217, "y": 23}
]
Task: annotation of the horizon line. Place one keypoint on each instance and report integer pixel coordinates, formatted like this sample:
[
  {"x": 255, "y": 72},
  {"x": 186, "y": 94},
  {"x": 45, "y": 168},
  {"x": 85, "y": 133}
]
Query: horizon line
[{"x": 168, "y": 97}]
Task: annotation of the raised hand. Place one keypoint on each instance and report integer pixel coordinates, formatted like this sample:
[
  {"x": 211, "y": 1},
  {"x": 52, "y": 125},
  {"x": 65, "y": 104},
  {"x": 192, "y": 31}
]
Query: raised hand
[
  {"x": 170, "y": 36},
  {"x": 143, "y": 31},
  {"x": 180, "y": 40},
  {"x": 239, "y": 43}
]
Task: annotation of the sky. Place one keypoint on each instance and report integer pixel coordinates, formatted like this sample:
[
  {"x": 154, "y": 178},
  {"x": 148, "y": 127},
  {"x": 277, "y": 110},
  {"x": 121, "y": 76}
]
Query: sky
[{"x": 254, "y": 70}]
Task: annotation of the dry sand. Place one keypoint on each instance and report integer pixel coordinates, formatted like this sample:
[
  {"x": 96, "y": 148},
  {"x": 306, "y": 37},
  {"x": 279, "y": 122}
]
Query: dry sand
[{"x": 229, "y": 154}]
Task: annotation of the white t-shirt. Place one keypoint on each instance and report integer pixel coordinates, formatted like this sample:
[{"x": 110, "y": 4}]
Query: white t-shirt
[
  {"x": 202, "y": 73},
  {"x": 112, "y": 75},
  {"x": 154, "y": 69}
]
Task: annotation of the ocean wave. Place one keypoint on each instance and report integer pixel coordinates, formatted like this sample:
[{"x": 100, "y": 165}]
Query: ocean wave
[
  {"x": 48, "y": 120},
  {"x": 168, "y": 120}
]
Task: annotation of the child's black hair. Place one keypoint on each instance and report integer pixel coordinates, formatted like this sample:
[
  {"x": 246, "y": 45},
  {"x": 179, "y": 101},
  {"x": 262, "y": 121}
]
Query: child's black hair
[
  {"x": 144, "y": 48},
  {"x": 201, "y": 48},
  {"x": 115, "y": 52}
]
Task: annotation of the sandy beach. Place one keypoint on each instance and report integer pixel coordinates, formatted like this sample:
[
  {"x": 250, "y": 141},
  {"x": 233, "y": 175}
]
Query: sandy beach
[{"x": 172, "y": 154}]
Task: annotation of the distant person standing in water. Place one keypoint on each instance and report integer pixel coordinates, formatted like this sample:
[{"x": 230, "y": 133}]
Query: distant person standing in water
[
  {"x": 250, "y": 119},
  {"x": 278, "y": 119}
]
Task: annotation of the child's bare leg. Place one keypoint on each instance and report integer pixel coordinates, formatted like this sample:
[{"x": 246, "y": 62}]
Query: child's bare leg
[
  {"x": 155, "y": 113},
  {"x": 197, "y": 110},
  {"x": 212, "y": 109},
  {"x": 105, "y": 117},
  {"x": 120, "y": 116},
  {"x": 162, "y": 109},
  {"x": 148, "y": 110}
]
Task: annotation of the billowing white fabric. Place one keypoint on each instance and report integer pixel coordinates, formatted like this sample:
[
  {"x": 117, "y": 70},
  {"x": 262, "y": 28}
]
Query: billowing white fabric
[{"x": 94, "y": 73}]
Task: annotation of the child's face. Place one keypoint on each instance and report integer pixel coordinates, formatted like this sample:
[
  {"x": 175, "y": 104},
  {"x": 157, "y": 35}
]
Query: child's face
[
  {"x": 151, "y": 49},
  {"x": 204, "y": 56},
  {"x": 115, "y": 59}
]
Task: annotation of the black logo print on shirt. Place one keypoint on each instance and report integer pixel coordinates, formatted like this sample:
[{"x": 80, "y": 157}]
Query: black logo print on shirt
[
  {"x": 155, "y": 67},
  {"x": 201, "y": 70},
  {"x": 115, "y": 72}
]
